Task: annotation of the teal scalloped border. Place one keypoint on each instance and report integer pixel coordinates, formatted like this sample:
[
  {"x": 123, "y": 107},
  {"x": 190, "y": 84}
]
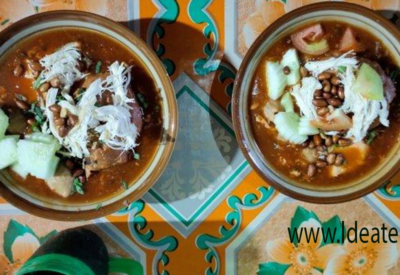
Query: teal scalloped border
[
  {"x": 197, "y": 13},
  {"x": 169, "y": 16},
  {"x": 137, "y": 226},
  {"x": 233, "y": 219}
]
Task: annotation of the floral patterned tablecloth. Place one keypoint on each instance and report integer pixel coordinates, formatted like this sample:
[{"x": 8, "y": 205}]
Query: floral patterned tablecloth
[{"x": 210, "y": 213}]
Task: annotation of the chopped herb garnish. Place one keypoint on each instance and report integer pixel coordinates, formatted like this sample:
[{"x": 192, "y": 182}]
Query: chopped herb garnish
[
  {"x": 37, "y": 83},
  {"x": 78, "y": 186},
  {"x": 59, "y": 98},
  {"x": 98, "y": 67},
  {"x": 81, "y": 91},
  {"x": 136, "y": 156},
  {"x": 5, "y": 22},
  {"x": 156, "y": 108},
  {"x": 124, "y": 184},
  {"x": 393, "y": 74},
  {"x": 98, "y": 206},
  {"x": 21, "y": 97},
  {"x": 35, "y": 127},
  {"x": 37, "y": 112},
  {"x": 341, "y": 69},
  {"x": 97, "y": 104},
  {"x": 142, "y": 101},
  {"x": 371, "y": 136}
]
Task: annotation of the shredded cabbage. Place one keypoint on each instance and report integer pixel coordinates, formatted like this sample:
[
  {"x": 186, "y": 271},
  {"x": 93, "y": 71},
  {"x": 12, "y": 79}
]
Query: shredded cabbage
[
  {"x": 317, "y": 67},
  {"x": 112, "y": 122},
  {"x": 304, "y": 96},
  {"x": 63, "y": 64}
]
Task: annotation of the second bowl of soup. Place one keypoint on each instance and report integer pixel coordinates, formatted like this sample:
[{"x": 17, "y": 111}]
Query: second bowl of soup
[{"x": 315, "y": 105}]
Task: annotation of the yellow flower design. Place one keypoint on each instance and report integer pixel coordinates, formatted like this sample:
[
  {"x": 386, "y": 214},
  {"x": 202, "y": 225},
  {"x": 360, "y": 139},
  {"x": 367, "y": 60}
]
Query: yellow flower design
[
  {"x": 307, "y": 257},
  {"x": 364, "y": 258}
]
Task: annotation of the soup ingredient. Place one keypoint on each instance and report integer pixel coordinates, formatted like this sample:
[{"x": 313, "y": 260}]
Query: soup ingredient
[
  {"x": 8, "y": 149},
  {"x": 287, "y": 124},
  {"x": 349, "y": 42},
  {"x": 304, "y": 96},
  {"x": 311, "y": 40},
  {"x": 19, "y": 170},
  {"x": 368, "y": 83},
  {"x": 305, "y": 127},
  {"x": 291, "y": 61},
  {"x": 276, "y": 80},
  {"x": 62, "y": 182},
  {"x": 336, "y": 121},
  {"x": 332, "y": 64},
  {"x": 38, "y": 158},
  {"x": 4, "y": 123},
  {"x": 62, "y": 67},
  {"x": 287, "y": 102}
]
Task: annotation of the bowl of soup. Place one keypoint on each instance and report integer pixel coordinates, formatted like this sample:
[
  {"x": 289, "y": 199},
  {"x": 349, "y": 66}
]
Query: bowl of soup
[
  {"x": 87, "y": 116},
  {"x": 315, "y": 108}
]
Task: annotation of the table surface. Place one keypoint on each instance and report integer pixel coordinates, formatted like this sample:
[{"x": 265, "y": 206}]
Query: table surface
[{"x": 209, "y": 213}]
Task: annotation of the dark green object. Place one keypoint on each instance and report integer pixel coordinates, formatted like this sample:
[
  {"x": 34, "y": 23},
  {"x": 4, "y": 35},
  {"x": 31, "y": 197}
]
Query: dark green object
[{"x": 73, "y": 250}]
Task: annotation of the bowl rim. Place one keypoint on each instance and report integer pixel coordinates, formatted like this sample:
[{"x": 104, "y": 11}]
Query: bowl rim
[
  {"x": 238, "y": 89},
  {"x": 169, "y": 135}
]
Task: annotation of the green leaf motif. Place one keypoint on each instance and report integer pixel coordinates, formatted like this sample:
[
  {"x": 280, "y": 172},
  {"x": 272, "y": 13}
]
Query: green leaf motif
[
  {"x": 272, "y": 268},
  {"x": 14, "y": 230},
  {"x": 332, "y": 224},
  {"x": 50, "y": 235},
  {"x": 301, "y": 215}
]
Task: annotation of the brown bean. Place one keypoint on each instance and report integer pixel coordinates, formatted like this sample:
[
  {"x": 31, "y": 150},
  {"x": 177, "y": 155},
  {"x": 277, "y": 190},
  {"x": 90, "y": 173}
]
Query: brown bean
[
  {"x": 44, "y": 87},
  {"x": 331, "y": 158},
  {"x": 334, "y": 90},
  {"x": 341, "y": 93},
  {"x": 23, "y": 105},
  {"x": 335, "y": 139},
  {"x": 63, "y": 131},
  {"x": 326, "y": 86},
  {"x": 55, "y": 82},
  {"x": 324, "y": 76},
  {"x": 327, "y": 95},
  {"x": 345, "y": 142},
  {"x": 311, "y": 145},
  {"x": 321, "y": 148},
  {"x": 70, "y": 164},
  {"x": 82, "y": 179},
  {"x": 334, "y": 102},
  {"x": 339, "y": 159},
  {"x": 322, "y": 111},
  {"x": 35, "y": 66},
  {"x": 81, "y": 66},
  {"x": 317, "y": 93},
  {"x": 303, "y": 72},
  {"x": 59, "y": 121},
  {"x": 78, "y": 173},
  {"x": 317, "y": 140},
  {"x": 55, "y": 108},
  {"x": 286, "y": 70},
  {"x": 335, "y": 80},
  {"x": 72, "y": 120},
  {"x": 18, "y": 70},
  {"x": 312, "y": 170},
  {"x": 31, "y": 121},
  {"x": 328, "y": 141},
  {"x": 320, "y": 163},
  {"x": 320, "y": 102}
]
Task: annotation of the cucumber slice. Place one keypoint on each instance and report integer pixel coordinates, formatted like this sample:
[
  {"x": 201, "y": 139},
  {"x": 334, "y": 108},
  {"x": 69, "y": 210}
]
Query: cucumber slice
[
  {"x": 8, "y": 152},
  {"x": 276, "y": 80},
  {"x": 305, "y": 128},
  {"x": 19, "y": 170},
  {"x": 37, "y": 158},
  {"x": 15, "y": 137},
  {"x": 369, "y": 83},
  {"x": 291, "y": 60},
  {"x": 4, "y": 123},
  {"x": 287, "y": 102},
  {"x": 287, "y": 125},
  {"x": 45, "y": 138}
]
